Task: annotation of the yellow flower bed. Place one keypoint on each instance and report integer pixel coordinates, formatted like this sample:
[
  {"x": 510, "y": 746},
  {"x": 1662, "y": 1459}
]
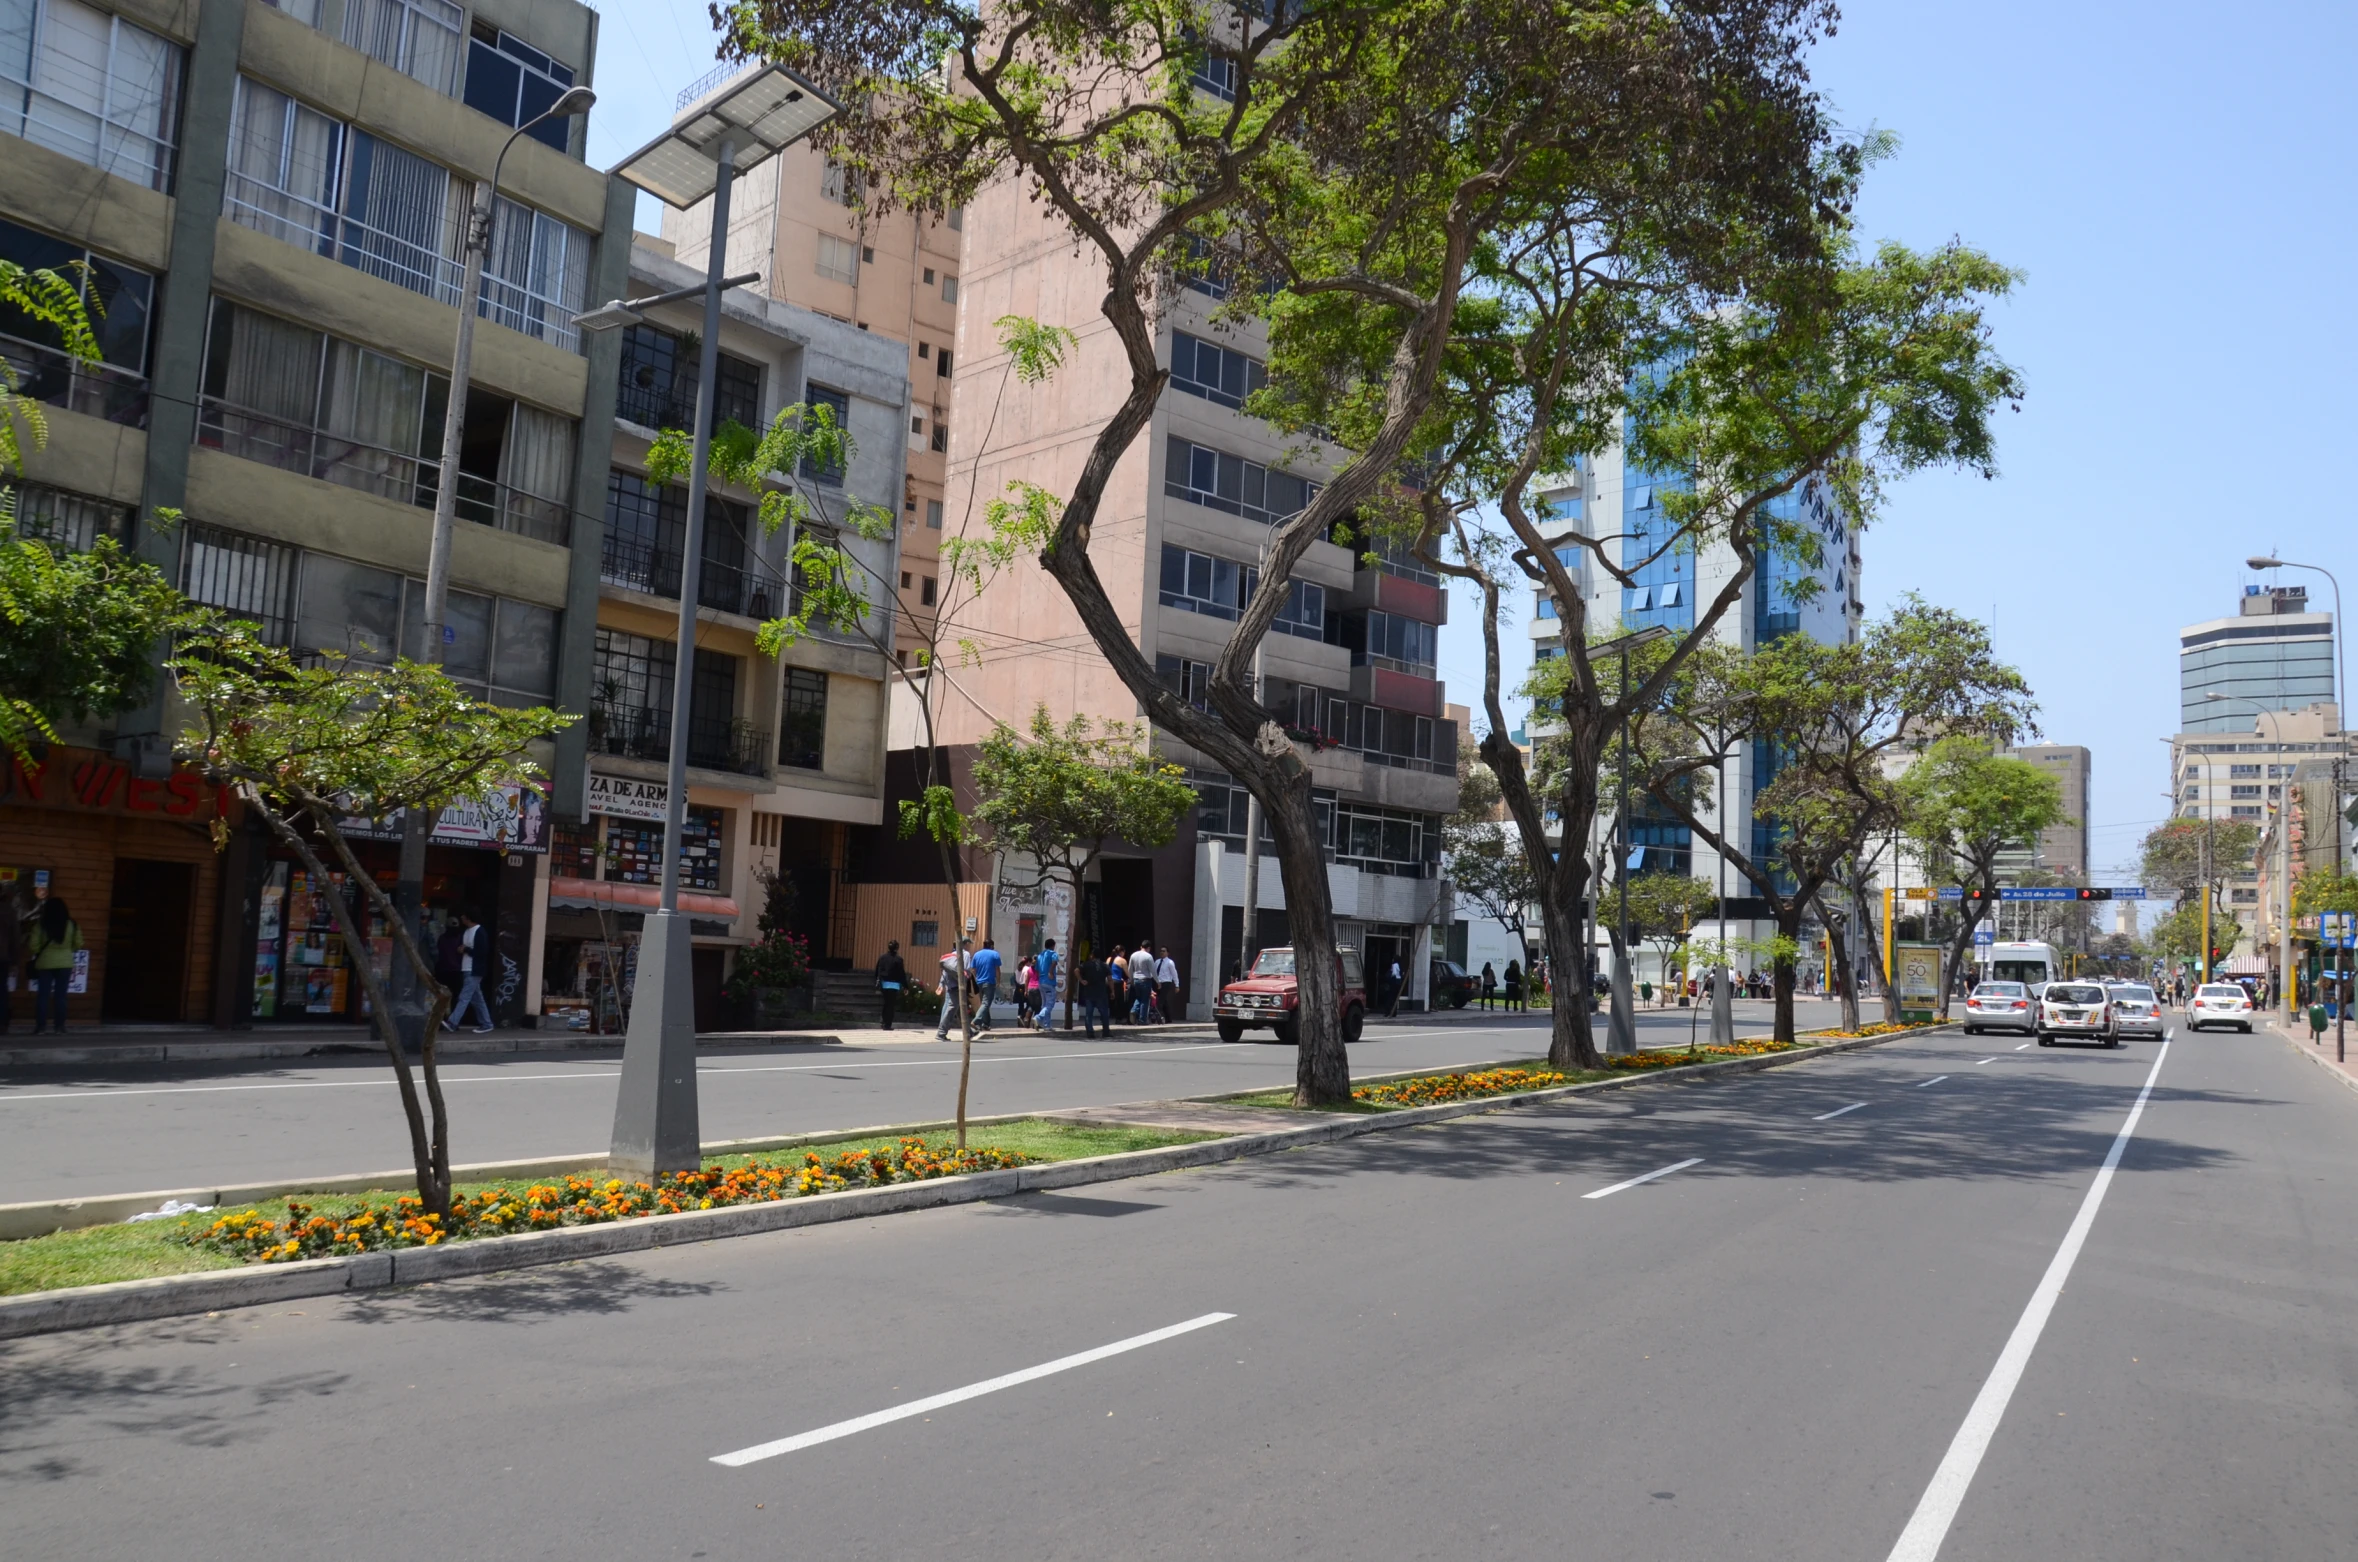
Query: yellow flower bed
[
  {"x": 1437, "y": 1088},
  {"x": 1879, "y": 1028},
  {"x": 582, "y": 1200},
  {"x": 1673, "y": 1058}
]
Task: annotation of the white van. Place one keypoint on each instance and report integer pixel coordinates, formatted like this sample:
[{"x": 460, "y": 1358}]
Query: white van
[{"x": 2032, "y": 964}]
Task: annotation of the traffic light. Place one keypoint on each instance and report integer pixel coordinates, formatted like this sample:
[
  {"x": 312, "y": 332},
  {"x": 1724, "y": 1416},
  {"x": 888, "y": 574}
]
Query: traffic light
[
  {"x": 2095, "y": 894},
  {"x": 1975, "y": 897}
]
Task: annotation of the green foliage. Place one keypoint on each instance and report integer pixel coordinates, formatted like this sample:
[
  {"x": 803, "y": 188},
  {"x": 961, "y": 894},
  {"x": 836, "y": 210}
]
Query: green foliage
[
  {"x": 1965, "y": 803},
  {"x": 81, "y": 633},
  {"x": 2321, "y": 889},
  {"x": 1034, "y": 351},
  {"x": 2178, "y": 936},
  {"x": 1663, "y": 906},
  {"x": 1490, "y": 871},
  {"x": 934, "y": 814},
  {"x": 1059, "y": 795},
  {"x": 778, "y": 956},
  {"x": 2183, "y": 855}
]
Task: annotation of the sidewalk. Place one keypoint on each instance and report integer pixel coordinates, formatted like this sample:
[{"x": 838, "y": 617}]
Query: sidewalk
[{"x": 2297, "y": 1037}]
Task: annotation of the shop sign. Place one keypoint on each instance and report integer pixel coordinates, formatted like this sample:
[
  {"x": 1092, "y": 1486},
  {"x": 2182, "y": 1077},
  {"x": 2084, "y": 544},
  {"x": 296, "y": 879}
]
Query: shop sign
[
  {"x": 627, "y": 797},
  {"x": 86, "y": 781},
  {"x": 509, "y": 818}
]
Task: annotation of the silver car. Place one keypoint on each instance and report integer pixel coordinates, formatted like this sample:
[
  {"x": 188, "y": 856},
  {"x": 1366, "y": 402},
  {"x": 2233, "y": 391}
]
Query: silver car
[
  {"x": 2136, "y": 1011},
  {"x": 2080, "y": 1010}
]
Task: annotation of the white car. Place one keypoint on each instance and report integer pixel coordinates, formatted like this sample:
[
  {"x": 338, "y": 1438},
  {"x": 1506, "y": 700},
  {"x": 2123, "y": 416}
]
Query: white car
[
  {"x": 2137, "y": 1011},
  {"x": 2220, "y": 1003},
  {"x": 1999, "y": 1006},
  {"x": 2076, "y": 1009}
]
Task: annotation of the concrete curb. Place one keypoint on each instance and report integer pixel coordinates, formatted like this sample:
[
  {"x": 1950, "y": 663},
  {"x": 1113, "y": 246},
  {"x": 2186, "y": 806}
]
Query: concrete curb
[
  {"x": 2302, "y": 1048},
  {"x": 360, "y": 1044},
  {"x": 132, "y": 1301}
]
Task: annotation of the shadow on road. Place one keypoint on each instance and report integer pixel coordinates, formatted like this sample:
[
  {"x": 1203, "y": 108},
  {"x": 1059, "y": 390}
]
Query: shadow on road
[{"x": 583, "y": 1289}]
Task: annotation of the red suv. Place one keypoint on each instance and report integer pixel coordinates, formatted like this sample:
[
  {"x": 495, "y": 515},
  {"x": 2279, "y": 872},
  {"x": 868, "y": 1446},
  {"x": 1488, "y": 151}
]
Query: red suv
[{"x": 1269, "y": 995}]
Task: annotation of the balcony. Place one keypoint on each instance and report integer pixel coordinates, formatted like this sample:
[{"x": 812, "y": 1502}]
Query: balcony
[
  {"x": 638, "y": 565},
  {"x": 1375, "y": 684},
  {"x": 390, "y": 474},
  {"x": 714, "y": 742},
  {"x": 57, "y": 379}
]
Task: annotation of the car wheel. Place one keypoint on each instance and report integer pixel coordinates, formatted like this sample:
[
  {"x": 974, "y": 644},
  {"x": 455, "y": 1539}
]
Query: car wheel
[
  {"x": 1286, "y": 1033},
  {"x": 2046, "y": 1041},
  {"x": 2247, "y": 1030},
  {"x": 1232, "y": 1030},
  {"x": 1354, "y": 1020},
  {"x": 1972, "y": 1030}
]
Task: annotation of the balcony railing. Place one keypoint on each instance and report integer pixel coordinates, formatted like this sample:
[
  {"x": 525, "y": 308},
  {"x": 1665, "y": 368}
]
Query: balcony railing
[
  {"x": 714, "y": 742},
  {"x": 390, "y": 474},
  {"x": 637, "y": 565},
  {"x": 57, "y": 379}
]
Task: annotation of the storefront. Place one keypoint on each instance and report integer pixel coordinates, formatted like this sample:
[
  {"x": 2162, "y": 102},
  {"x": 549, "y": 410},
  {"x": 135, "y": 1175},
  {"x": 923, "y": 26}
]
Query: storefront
[
  {"x": 133, "y": 859},
  {"x": 605, "y": 875},
  {"x": 480, "y": 859}
]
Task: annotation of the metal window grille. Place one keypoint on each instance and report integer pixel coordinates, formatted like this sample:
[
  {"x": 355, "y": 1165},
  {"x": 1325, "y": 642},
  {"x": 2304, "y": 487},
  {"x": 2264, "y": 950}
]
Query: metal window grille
[
  {"x": 65, "y": 520},
  {"x": 247, "y": 576},
  {"x": 816, "y": 396},
  {"x": 802, "y": 719}
]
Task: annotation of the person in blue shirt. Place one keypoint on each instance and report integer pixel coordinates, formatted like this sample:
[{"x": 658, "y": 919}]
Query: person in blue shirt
[
  {"x": 1047, "y": 963},
  {"x": 986, "y": 983}
]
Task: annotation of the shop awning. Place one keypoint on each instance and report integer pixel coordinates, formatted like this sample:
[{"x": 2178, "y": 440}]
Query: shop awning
[
  {"x": 590, "y": 894},
  {"x": 2240, "y": 965}
]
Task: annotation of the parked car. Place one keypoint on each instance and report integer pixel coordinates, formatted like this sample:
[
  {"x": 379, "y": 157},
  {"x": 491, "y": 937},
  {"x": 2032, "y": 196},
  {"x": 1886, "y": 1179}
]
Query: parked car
[
  {"x": 1449, "y": 986},
  {"x": 1999, "y": 1006},
  {"x": 1269, "y": 996},
  {"x": 2076, "y": 1009},
  {"x": 2137, "y": 1011},
  {"x": 2220, "y": 1003}
]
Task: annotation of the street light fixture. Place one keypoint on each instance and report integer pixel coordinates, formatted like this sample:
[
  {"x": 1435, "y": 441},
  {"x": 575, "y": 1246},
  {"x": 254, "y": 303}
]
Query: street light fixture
[
  {"x": 739, "y": 124},
  {"x": 1621, "y": 1033},
  {"x": 2341, "y": 679},
  {"x": 409, "y": 888}
]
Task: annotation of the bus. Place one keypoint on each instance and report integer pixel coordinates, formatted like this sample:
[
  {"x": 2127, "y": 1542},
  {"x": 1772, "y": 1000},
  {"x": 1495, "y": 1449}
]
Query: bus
[{"x": 2033, "y": 964}]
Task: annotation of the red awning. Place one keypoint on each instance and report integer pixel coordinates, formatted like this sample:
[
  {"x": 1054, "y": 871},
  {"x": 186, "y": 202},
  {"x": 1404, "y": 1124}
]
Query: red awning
[{"x": 633, "y": 897}]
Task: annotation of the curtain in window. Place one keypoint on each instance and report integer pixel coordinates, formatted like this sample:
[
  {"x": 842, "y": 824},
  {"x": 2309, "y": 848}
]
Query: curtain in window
[
  {"x": 283, "y": 160},
  {"x": 419, "y": 38},
  {"x": 101, "y": 91},
  {"x": 371, "y": 419},
  {"x": 267, "y": 366},
  {"x": 398, "y": 204},
  {"x": 536, "y": 274},
  {"x": 144, "y": 77},
  {"x": 537, "y": 467}
]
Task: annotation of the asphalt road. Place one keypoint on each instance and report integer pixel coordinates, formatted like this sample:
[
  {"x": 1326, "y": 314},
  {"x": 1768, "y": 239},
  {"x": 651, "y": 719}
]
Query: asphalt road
[
  {"x": 129, "y": 1129},
  {"x": 1437, "y": 1343}
]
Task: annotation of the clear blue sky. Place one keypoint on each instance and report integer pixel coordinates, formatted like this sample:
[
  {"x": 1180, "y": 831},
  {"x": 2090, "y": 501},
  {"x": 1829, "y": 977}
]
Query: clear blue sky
[{"x": 2175, "y": 180}]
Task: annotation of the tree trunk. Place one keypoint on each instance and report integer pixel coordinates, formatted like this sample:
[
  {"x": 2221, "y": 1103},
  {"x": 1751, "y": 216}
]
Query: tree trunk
[
  {"x": 1322, "y": 1066},
  {"x": 1968, "y": 919},
  {"x": 1788, "y": 939},
  {"x": 1845, "y": 985}
]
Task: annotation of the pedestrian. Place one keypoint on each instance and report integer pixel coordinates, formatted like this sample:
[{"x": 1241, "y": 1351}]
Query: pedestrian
[
  {"x": 473, "y": 953},
  {"x": 1489, "y": 984},
  {"x": 986, "y": 983},
  {"x": 1393, "y": 982},
  {"x": 1514, "y": 983},
  {"x": 1166, "y": 985},
  {"x": 50, "y": 946},
  {"x": 1090, "y": 974},
  {"x": 957, "y": 968},
  {"x": 12, "y": 956},
  {"x": 1142, "y": 985},
  {"x": 1046, "y": 962},
  {"x": 892, "y": 977},
  {"x": 1117, "y": 983}
]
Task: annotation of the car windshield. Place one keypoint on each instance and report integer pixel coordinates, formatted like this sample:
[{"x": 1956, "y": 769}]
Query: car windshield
[
  {"x": 2135, "y": 995},
  {"x": 1998, "y": 990},
  {"x": 2222, "y": 992},
  {"x": 2073, "y": 992},
  {"x": 1274, "y": 962}
]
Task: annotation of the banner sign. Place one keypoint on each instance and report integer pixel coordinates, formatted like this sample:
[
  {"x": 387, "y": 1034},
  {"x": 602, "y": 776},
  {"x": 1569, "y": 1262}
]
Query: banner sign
[
  {"x": 509, "y": 819},
  {"x": 627, "y": 797}
]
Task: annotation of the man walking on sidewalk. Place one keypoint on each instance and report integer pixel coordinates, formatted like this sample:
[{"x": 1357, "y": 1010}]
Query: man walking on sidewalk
[
  {"x": 986, "y": 983},
  {"x": 1166, "y": 984},
  {"x": 892, "y": 979},
  {"x": 957, "y": 966},
  {"x": 472, "y": 955}
]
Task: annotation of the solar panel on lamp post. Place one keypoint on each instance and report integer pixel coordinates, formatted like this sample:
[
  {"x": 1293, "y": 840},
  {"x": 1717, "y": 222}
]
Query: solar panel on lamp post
[
  {"x": 739, "y": 124},
  {"x": 409, "y": 881}
]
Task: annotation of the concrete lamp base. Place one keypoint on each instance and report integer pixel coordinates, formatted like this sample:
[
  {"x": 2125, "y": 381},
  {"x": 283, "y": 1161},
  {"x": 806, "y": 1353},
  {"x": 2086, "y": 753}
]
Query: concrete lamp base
[{"x": 655, "y": 1123}]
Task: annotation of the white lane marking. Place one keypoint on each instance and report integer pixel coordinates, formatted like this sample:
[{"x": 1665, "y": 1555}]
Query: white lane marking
[
  {"x": 1838, "y": 1111},
  {"x": 2025, "y": 1047},
  {"x": 1934, "y": 1080},
  {"x": 1986, "y": 1060},
  {"x": 1921, "y": 1540},
  {"x": 1692, "y": 1160},
  {"x": 916, "y": 1407},
  {"x": 102, "y": 1093}
]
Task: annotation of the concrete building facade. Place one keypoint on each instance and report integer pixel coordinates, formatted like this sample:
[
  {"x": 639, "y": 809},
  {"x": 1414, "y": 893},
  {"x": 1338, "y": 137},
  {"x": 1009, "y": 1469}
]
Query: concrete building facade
[{"x": 2061, "y": 848}]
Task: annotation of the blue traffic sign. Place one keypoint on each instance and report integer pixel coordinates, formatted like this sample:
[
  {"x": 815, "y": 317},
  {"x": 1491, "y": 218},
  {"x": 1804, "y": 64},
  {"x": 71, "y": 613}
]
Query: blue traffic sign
[{"x": 2022, "y": 892}]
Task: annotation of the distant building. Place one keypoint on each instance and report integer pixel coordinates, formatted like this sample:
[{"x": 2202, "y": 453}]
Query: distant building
[
  {"x": 2274, "y": 653},
  {"x": 2061, "y": 849}
]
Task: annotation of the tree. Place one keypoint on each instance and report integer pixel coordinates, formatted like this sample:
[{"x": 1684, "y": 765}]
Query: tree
[
  {"x": 1965, "y": 804},
  {"x": 1337, "y": 165},
  {"x": 2324, "y": 890},
  {"x": 1826, "y": 382},
  {"x": 2185, "y": 855},
  {"x": 81, "y": 627},
  {"x": 1486, "y": 866},
  {"x": 310, "y": 743},
  {"x": 1054, "y": 801},
  {"x": 1826, "y": 716},
  {"x": 1664, "y": 907},
  {"x": 2178, "y": 936}
]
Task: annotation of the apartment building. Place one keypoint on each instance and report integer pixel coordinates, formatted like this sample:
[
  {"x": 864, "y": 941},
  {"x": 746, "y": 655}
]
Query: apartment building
[
  {"x": 2062, "y": 848},
  {"x": 809, "y": 229},
  {"x": 269, "y": 199},
  {"x": 1349, "y": 667},
  {"x": 786, "y": 754}
]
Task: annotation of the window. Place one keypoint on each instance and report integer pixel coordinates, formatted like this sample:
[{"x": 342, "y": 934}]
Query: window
[
  {"x": 933, "y": 514},
  {"x": 2239, "y": 772},
  {"x": 1189, "y": 680},
  {"x": 941, "y": 365},
  {"x": 802, "y": 722},
  {"x": 2194, "y": 794},
  {"x": 1547, "y": 608},
  {"x": 957, "y": 222},
  {"x": 515, "y": 83},
  {"x": 90, "y": 86},
  {"x": 1304, "y": 613},
  {"x": 71, "y": 521},
  {"x": 419, "y": 38},
  {"x": 1219, "y": 374},
  {"x": 658, "y": 383},
  {"x": 1199, "y": 583},
  {"x": 1215, "y": 75},
  {"x": 925, "y": 934},
  {"x": 941, "y": 436},
  {"x": 925, "y": 589},
  {"x": 2244, "y": 791},
  {"x": 1412, "y": 644},
  {"x": 839, "y": 404},
  {"x": 2244, "y": 897},
  {"x": 119, "y": 299},
  {"x": 348, "y": 607},
  {"x": 949, "y": 290},
  {"x": 1219, "y": 481},
  {"x": 868, "y": 256},
  {"x": 916, "y": 425},
  {"x": 1382, "y": 841},
  {"x": 837, "y": 260},
  {"x": 839, "y": 185},
  {"x": 308, "y": 180},
  {"x": 2245, "y": 811},
  {"x": 245, "y": 576}
]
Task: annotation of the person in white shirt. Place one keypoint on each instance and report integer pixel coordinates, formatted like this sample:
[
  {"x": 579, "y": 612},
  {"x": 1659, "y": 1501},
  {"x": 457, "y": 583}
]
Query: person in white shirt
[
  {"x": 473, "y": 953},
  {"x": 955, "y": 967},
  {"x": 1143, "y": 983},
  {"x": 1166, "y": 983}
]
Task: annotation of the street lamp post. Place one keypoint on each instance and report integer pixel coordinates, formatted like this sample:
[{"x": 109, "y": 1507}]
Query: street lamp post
[
  {"x": 737, "y": 125},
  {"x": 409, "y": 898}
]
